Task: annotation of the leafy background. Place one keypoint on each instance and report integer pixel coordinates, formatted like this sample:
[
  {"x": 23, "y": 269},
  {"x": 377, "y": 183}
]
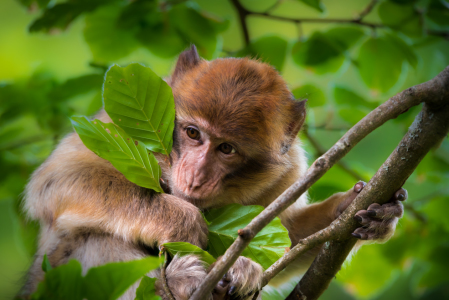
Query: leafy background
[{"x": 53, "y": 55}]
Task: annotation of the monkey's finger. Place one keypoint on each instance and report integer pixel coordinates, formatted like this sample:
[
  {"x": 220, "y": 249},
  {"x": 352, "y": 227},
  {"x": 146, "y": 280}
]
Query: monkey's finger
[
  {"x": 389, "y": 210},
  {"x": 358, "y": 187},
  {"x": 400, "y": 195}
]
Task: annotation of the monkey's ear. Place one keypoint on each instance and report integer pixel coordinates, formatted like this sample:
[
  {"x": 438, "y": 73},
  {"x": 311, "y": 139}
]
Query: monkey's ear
[
  {"x": 187, "y": 60},
  {"x": 297, "y": 117}
]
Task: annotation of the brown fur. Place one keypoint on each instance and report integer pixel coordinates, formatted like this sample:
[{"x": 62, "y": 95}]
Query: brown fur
[{"x": 89, "y": 211}]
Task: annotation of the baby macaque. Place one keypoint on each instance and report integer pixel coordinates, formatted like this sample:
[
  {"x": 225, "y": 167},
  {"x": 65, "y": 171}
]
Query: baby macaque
[{"x": 235, "y": 141}]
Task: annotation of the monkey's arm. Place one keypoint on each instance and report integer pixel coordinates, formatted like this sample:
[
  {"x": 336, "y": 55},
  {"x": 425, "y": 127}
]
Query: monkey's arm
[{"x": 76, "y": 189}]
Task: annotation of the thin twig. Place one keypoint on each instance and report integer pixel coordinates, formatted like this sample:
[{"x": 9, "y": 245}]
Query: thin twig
[
  {"x": 435, "y": 91},
  {"x": 317, "y": 20},
  {"x": 164, "y": 277},
  {"x": 367, "y": 10},
  {"x": 243, "y": 12}
]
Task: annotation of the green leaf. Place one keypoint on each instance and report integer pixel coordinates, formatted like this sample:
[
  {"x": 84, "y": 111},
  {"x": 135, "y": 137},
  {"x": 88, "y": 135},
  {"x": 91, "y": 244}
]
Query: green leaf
[
  {"x": 162, "y": 40},
  {"x": 146, "y": 289},
  {"x": 182, "y": 248},
  {"x": 108, "y": 41},
  {"x": 46, "y": 266},
  {"x": 400, "y": 17},
  {"x": 438, "y": 13},
  {"x": 63, "y": 282},
  {"x": 316, "y": 50},
  {"x": 314, "y": 3},
  {"x": 136, "y": 12},
  {"x": 110, "y": 281},
  {"x": 271, "y": 49},
  {"x": 76, "y": 86},
  {"x": 127, "y": 155},
  {"x": 62, "y": 14},
  {"x": 266, "y": 248},
  {"x": 352, "y": 115},
  {"x": 345, "y": 36},
  {"x": 195, "y": 28},
  {"x": 311, "y": 92},
  {"x": 142, "y": 104},
  {"x": 406, "y": 50},
  {"x": 380, "y": 63},
  {"x": 344, "y": 96}
]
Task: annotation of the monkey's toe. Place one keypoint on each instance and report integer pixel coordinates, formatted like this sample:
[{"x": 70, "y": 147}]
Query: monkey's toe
[
  {"x": 378, "y": 221},
  {"x": 241, "y": 282}
]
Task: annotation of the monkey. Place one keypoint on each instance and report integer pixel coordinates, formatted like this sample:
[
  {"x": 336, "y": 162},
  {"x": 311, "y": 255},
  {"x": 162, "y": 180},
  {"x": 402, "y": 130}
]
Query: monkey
[{"x": 235, "y": 141}]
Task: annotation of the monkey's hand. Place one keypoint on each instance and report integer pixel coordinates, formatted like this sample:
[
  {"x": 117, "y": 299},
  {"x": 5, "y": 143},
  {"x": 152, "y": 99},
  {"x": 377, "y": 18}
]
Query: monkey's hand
[
  {"x": 378, "y": 221},
  {"x": 241, "y": 281}
]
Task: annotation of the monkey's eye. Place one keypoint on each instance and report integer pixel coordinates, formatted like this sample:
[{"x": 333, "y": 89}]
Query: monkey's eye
[
  {"x": 193, "y": 133},
  {"x": 226, "y": 148}
]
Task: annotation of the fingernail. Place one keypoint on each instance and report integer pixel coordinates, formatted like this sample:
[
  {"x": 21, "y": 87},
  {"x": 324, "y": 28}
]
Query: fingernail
[
  {"x": 356, "y": 235},
  {"x": 371, "y": 213},
  {"x": 231, "y": 290},
  {"x": 358, "y": 219},
  {"x": 222, "y": 283}
]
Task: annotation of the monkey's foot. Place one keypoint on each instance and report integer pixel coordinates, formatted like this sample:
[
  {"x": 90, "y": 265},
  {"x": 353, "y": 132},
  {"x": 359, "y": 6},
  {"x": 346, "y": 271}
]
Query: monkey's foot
[
  {"x": 184, "y": 274},
  {"x": 241, "y": 282},
  {"x": 379, "y": 221}
]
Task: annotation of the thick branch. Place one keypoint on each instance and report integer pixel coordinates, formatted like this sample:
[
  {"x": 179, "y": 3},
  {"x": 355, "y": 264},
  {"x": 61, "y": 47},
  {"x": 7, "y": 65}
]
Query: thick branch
[
  {"x": 434, "y": 92},
  {"x": 428, "y": 129}
]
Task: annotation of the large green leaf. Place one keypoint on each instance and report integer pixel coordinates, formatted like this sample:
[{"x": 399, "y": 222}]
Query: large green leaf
[
  {"x": 345, "y": 36},
  {"x": 142, "y": 104},
  {"x": 108, "y": 41},
  {"x": 316, "y": 50},
  {"x": 266, "y": 248},
  {"x": 195, "y": 28},
  {"x": 63, "y": 282},
  {"x": 146, "y": 289},
  {"x": 127, "y": 155},
  {"x": 110, "y": 281},
  {"x": 182, "y": 248},
  {"x": 406, "y": 50},
  {"x": 380, "y": 63},
  {"x": 402, "y": 17}
]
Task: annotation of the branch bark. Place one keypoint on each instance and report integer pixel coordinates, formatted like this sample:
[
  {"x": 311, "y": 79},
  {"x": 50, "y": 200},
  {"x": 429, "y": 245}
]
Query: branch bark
[{"x": 434, "y": 92}]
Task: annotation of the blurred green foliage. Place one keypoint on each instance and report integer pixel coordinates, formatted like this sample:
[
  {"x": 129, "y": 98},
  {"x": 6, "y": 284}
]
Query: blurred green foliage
[{"x": 53, "y": 55}]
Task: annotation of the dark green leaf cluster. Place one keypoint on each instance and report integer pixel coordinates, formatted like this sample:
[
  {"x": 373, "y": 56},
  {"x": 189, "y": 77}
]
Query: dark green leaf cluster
[
  {"x": 106, "y": 282},
  {"x": 165, "y": 28}
]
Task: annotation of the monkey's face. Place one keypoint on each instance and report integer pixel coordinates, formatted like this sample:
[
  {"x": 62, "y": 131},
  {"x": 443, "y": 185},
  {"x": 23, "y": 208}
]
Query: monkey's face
[
  {"x": 202, "y": 158},
  {"x": 235, "y": 122}
]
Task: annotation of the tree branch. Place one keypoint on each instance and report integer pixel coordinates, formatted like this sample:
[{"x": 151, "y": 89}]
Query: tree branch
[
  {"x": 243, "y": 12},
  {"x": 433, "y": 92},
  {"x": 367, "y": 10},
  {"x": 429, "y": 128}
]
